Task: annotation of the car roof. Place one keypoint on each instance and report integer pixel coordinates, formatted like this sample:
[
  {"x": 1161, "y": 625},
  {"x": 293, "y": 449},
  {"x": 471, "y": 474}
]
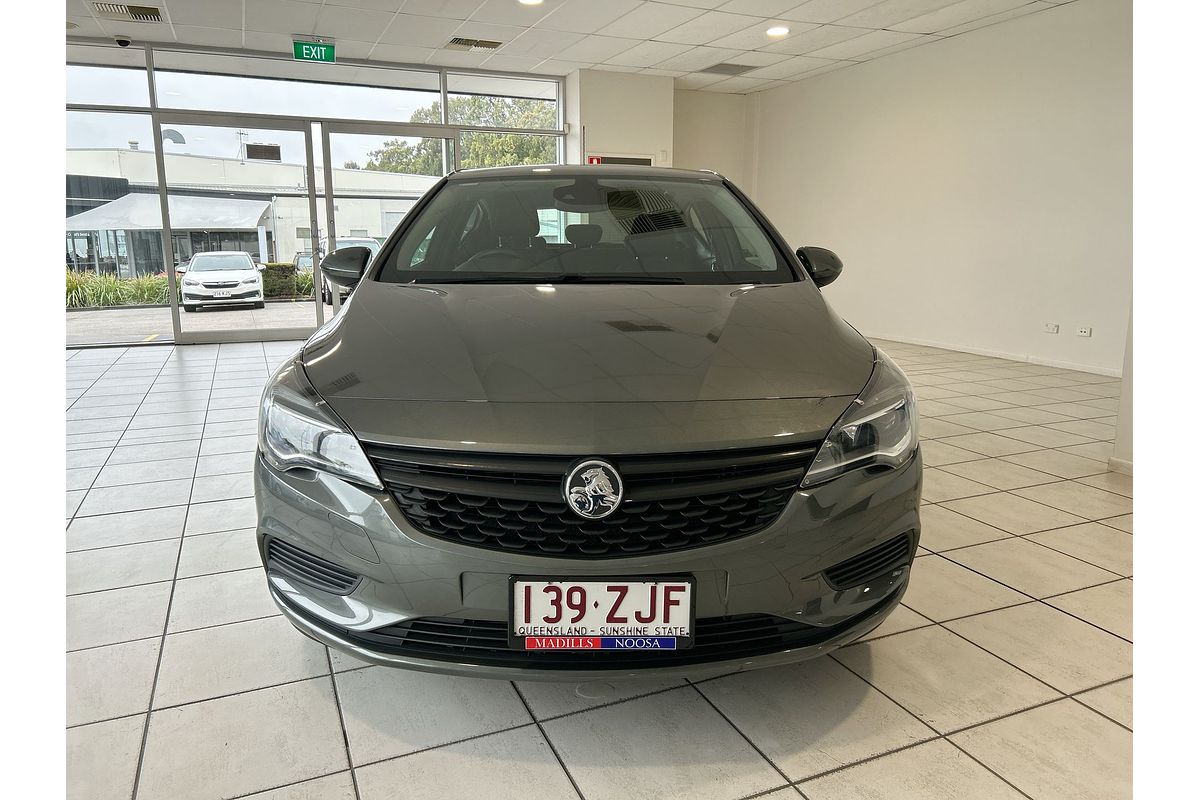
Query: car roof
[
  {"x": 580, "y": 170},
  {"x": 222, "y": 253}
]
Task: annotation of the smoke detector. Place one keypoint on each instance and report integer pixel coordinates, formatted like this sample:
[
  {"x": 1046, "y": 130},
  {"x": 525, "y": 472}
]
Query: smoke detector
[
  {"x": 124, "y": 13},
  {"x": 472, "y": 45}
]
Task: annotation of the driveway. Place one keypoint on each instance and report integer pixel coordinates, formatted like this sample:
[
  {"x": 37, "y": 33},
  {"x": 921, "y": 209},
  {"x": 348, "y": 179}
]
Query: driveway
[{"x": 153, "y": 324}]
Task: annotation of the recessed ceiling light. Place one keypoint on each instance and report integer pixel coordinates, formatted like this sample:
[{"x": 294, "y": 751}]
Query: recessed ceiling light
[
  {"x": 530, "y": 2},
  {"x": 778, "y": 30}
]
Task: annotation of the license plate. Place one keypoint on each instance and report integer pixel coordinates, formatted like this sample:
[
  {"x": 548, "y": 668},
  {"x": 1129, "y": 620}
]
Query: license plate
[
  {"x": 601, "y": 613},
  {"x": 221, "y": 294}
]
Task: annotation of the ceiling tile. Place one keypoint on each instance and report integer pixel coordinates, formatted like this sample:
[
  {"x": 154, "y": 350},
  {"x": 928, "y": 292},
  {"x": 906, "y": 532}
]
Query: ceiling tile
[
  {"x": 543, "y": 43},
  {"x": 348, "y": 48},
  {"x": 87, "y": 26},
  {"x": 815, "y": 39},
  {"x": 757, "y": 58},
  {"x": 860, "y": 46},
  {"x": 389, "y": 6},
  {"x": 755, "y": 36},
  {"x": 889, "y": 12},
  {"x": 697, "y": 80},
  {"x": 649, "y": 20},
  {"x": 416, "y": 31},
  {"x": 446, "y": 9},
  {"x": 586, "y": 16},
  {"x": 208, "y": 37},
  {"x": 401, "y": 53},
  {"x": 272, "y": 42},
  {"x": 708, "y": 26},
  {"x": 830, "y": 67},
  {"x": 647, "y": 54},
  {"x": 709, "y": 4},
  {"x": 351, "y": 23},
  {"x": 917, "y": 41},
  {"x": 555, "y": 67},
  {"x": 738, "y": 85},
  {"x": 1020, "y": 11},
  {"x": 698, "y": 58},
  {"x": 209, "y": 14},
  {"x": 956, "y": 15},
  {"x": 825, "y": 10},
  {"x": 796, "y": 65},
  {"x": 663, "y": 73},
  {"x": 614, "y": 68},
  {"x": 265, "y": 16},
  {"x": 758, "y": 8},
  {"x": 512, "y": 63},
  {"x": 596, "y": 48},
  {"x": 510, "y": 12},
  {"x": 456, "y": 58}
]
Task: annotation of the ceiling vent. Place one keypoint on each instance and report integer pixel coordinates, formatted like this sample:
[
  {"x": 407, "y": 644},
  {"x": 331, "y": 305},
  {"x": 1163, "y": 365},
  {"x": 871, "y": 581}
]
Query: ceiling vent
[
  {"x": 474, "y": 45},
  {"x": 124, "y": 13},
  {"x": 728, "y": 69}
]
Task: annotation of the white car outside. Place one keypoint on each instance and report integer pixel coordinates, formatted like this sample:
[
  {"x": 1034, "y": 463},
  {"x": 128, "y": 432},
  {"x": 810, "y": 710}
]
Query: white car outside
[{"x": 221, "y": 278}]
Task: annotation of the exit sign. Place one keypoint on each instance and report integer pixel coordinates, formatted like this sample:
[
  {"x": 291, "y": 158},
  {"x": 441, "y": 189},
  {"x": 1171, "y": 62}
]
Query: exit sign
[{"x": 312, "y": 51}]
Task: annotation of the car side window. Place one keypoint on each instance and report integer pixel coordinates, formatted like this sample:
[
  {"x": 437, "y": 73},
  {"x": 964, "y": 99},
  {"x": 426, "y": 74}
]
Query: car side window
[{"x": 422, "y": 249}]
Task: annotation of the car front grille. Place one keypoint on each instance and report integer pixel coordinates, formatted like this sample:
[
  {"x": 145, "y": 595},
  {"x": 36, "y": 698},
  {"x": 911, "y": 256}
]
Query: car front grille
[
  {"x": 870, "y": 564},
  {"x": 220, "y": 284},
  {"x": 299, "y": 564},
  {"x": 485, "y": 642},
  {"x": 515, "y": 503}
]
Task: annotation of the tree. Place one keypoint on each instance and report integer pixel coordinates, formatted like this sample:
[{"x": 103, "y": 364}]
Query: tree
[
  {"x": 479, "y": 148},
  {"x": 351, "y": 165}
]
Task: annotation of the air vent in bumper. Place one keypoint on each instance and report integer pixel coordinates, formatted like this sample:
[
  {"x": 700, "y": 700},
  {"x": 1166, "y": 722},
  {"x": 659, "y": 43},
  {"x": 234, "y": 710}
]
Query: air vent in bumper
[
  {"x": 293, "y": 562},
  {"x": 870, "y": 564}
]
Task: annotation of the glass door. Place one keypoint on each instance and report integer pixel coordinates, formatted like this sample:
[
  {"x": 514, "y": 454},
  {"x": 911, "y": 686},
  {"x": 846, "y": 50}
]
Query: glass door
[
  {"x": 373, "y": 176},
  {"x": 241, "y": 200}
]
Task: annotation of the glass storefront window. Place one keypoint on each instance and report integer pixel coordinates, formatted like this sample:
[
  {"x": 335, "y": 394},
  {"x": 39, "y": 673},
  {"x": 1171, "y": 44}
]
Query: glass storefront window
[
  {"x": 487, "y": 101},
  {"x": 486, "y": 149}
]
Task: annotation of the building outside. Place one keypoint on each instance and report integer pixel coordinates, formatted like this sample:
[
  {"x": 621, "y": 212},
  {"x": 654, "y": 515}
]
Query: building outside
[{"x": 114, "y": 222}]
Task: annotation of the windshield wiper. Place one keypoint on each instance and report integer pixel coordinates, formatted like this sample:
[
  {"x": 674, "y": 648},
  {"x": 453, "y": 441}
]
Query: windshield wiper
[{"x": 524, "y": 277}]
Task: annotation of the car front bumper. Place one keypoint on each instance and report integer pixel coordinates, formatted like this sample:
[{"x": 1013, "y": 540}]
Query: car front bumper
[
  {"x": 407, "y": 575},
  {"x": 200, "y": 296}
]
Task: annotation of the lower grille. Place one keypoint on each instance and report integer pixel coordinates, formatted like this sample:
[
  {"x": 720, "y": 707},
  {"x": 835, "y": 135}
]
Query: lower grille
[
  {"x": 869, "y": 564},
  {"x": 485, "y": 643},
  {"x": 301, "y": 565},
  {"x": 515, "y": 503}
]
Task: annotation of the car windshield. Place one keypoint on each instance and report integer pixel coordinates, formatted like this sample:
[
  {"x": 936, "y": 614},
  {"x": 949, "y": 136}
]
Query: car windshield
[
  {"x": 585, "y": 229},
  {"x": 304, "y": 262},
  {"x": 212, "y": 262}
]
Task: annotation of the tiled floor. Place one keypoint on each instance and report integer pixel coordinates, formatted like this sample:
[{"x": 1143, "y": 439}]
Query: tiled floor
[{"x": 1006, "y": 673}]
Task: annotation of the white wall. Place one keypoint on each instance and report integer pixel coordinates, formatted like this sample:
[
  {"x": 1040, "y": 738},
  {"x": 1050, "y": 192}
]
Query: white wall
[
  {"x": 620, "y": 113},
  {"x": 712, "y": 130},
  {"x": 976, "y": 188},
  {"x": 1122, "y": 457}
]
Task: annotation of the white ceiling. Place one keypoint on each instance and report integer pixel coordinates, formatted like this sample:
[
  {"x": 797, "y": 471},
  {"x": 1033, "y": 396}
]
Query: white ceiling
[{"x": 675, "y": 38}]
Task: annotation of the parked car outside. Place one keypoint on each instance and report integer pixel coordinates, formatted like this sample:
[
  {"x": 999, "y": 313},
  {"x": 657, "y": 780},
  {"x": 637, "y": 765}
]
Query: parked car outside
[
  {"x": 221, "y": 279},
  {"x": 652, "y": 449}
]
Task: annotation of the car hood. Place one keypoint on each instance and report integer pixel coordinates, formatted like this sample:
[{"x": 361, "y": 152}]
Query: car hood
[
  {"x": 220, "y": 275},
  {"x": 520, "y": 343}
]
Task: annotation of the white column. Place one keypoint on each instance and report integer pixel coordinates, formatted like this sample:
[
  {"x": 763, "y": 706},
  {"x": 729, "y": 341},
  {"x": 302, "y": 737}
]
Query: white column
[{"x": 1122, "y": 457}]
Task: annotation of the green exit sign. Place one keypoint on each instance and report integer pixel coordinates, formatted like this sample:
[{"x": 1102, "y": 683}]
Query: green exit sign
[{"x": 312, "y": 51}]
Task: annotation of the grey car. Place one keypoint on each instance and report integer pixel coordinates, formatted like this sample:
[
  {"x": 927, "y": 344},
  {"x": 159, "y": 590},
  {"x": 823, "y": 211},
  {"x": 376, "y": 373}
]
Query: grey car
[{"x": 580, "y": 422}]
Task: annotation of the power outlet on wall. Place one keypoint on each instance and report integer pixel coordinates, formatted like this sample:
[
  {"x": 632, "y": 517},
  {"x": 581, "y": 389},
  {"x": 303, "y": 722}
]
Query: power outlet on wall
[
  {"x": 1083, "y": 332},
  {"x": 1050, "y": 327}
]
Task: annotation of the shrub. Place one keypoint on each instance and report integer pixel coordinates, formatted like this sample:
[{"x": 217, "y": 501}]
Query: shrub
[
  {"x": 304, "y": 284},
  {"x": 279, "y": 280},
  {"x": 89, "y": 290}
]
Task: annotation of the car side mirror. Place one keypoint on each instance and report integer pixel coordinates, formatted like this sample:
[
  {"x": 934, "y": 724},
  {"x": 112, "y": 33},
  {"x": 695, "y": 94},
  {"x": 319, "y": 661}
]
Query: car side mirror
[
  {"x": 823, "y": 265},
  {"x": 180, "y": 269},
  {"x": 261, "y": 267},
  {"x": 346, "y": 265}
]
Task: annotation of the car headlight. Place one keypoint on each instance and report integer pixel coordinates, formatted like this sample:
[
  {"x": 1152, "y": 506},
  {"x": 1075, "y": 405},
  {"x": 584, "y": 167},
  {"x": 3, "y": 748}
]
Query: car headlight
[
  {"x": 879, "y": 428},
  {"x": 297, "y": 430},
  {"x": 251, "y": 279},
  {"x": 190, "y": 282}
]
